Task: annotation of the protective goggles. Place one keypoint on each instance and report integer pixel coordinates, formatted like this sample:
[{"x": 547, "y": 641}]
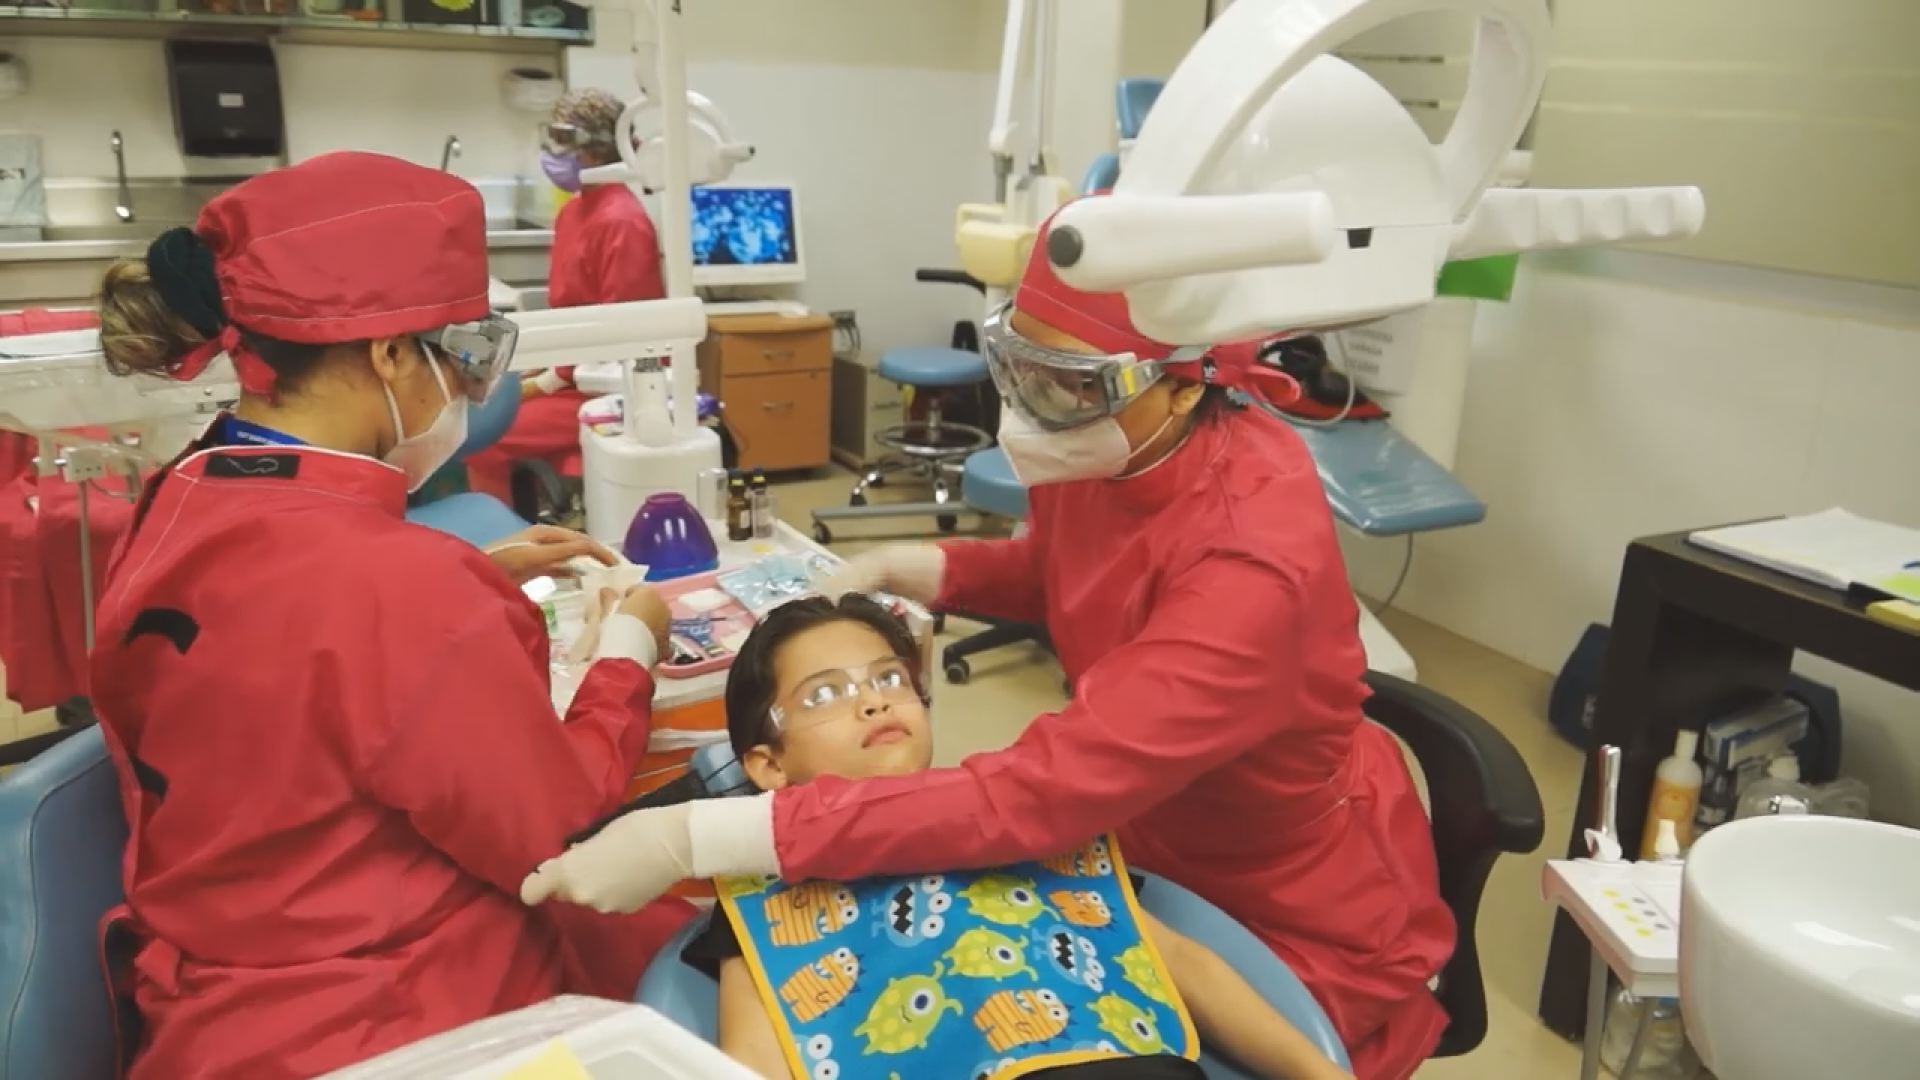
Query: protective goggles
[
  {"x": 835, "y": 695},
  {"x": 558, "y": 138},
  {"x": 1060, "y": 390},
  {"x": 480, "y": 351}
]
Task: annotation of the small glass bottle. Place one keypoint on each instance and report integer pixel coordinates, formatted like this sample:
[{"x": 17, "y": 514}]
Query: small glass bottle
[
  {"x": 760, "y": 501},
  {"x": 739, "y": 510}
]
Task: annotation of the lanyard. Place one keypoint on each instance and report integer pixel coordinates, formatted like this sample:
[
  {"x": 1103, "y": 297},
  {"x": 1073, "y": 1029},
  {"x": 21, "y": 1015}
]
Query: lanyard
[{"x": 233, "y": 431}]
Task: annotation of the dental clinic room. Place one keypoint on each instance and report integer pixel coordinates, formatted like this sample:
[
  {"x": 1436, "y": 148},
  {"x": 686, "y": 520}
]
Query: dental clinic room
[{"x": 975, "y": 539}]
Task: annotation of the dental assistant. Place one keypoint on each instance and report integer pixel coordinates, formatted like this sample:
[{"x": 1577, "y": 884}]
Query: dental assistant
[
  {"x": 332, "y": 729},
  {"x": 605, "y": 251},
  {"x": 1182, "y": 558}
]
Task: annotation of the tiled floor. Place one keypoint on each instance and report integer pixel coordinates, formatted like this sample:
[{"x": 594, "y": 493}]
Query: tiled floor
[{"x": 1013, "y": 685}]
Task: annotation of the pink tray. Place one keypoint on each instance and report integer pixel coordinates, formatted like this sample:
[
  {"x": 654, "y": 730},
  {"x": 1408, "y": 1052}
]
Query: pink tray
[{"x": 728, "y": 619}]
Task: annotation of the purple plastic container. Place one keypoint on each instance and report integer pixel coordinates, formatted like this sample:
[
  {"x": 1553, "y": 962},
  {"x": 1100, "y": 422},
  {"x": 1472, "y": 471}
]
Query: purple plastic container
[{"x": 669, "y": 538}]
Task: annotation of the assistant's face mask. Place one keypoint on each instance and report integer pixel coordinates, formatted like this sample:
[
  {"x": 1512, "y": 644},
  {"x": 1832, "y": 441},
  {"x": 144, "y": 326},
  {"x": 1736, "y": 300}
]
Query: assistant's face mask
[
  {"x": 1094, "y": 451},
  {"x": 420, "y": 456},
  {"x": 563, "y": 170}
]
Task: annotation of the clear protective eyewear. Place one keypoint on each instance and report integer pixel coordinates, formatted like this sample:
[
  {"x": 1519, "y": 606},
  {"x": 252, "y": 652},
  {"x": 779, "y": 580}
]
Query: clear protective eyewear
[
  {"x": 480, "y": 351},
  {"x": 835, "y": 695},
  {"x": 1059, "y": 390},
  {"x": 559, "y": 138}
]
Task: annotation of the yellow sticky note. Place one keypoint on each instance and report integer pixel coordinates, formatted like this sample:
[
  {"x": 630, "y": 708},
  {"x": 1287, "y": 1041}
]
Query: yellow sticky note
[{"x": 556, "y": 1062}]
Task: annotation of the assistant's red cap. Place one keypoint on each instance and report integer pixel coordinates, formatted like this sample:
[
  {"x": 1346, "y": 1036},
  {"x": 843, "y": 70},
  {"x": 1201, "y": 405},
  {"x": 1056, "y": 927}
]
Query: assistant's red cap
[
  {"x": 349, "y": 246},
  {"x": 1104, "y": 321}
]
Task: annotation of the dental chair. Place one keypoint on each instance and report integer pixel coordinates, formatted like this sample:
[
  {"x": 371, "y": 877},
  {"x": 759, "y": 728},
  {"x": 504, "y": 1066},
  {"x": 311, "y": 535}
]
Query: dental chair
[
  {"x": 688, "y": 997},
  {"x": 1482, "y": 801},
  {"x": 930, "y": 449},
  {"x": 61, "y": 836},
  {"x": 988, "y": 485},
  {"x": 444, "y": 503}
]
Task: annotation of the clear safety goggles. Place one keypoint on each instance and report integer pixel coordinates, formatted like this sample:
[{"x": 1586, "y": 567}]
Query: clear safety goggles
[
  {"x": 557, "y": 138},
  {"x": 480, "y": 352},
  {"x": 835, "y": 695},
  {"x": 1060, "y": 390}
]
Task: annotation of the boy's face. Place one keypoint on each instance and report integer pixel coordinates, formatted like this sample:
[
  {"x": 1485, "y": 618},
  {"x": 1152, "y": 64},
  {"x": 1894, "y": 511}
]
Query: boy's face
[{"x": 848, "y": 707}]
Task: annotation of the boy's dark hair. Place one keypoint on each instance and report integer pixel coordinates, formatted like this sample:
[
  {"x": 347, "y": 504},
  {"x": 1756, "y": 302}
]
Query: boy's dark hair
[{"x": 752, "y": 684}]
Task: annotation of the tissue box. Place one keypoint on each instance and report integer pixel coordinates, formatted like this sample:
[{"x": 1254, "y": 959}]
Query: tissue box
[{"x": 1754, "y": 735}]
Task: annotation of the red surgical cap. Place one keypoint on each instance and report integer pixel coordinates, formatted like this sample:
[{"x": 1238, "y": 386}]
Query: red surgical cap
[
  {"x": 349, "y": 246},
  {"x": 1103, "y": 321}
]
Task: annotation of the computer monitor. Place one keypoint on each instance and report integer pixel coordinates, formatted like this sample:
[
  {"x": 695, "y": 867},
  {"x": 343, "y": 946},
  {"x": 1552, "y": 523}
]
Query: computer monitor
[{"x": 746, "y": 234}]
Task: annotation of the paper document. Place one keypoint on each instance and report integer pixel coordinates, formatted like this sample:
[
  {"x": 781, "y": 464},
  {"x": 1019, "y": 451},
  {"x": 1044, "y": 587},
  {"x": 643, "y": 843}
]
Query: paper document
[{"x": 1833, "y": 548}]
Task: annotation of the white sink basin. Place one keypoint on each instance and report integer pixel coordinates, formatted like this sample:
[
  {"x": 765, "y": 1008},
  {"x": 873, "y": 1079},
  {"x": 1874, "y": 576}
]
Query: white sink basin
[{"x": 1800, "y": 949}]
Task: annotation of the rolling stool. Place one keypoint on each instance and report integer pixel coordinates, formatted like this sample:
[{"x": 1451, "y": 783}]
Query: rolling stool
[
  {"x": 932, "y": 448},
  {"x": 989, "y": 486}
]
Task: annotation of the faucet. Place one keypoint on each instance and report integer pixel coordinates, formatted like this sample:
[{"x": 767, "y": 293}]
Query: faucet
[
  {"x": 123, "y": 205},
  {"x": 448, "y": 152}
]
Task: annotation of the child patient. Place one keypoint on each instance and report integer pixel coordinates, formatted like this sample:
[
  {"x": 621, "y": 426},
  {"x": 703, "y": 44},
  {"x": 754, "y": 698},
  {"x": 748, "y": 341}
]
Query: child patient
[{"x": 1044, "y": 968}]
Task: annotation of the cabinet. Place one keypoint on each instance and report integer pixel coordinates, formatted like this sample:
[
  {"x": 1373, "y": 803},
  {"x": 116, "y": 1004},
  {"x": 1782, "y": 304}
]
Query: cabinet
[{"x": 775, "y": 377}]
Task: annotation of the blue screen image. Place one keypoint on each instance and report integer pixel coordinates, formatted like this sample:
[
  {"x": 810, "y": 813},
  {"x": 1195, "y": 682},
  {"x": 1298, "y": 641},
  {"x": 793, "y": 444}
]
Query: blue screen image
[{"x": 743, "y": 227}]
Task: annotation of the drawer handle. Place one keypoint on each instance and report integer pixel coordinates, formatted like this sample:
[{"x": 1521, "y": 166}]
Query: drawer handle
[
  {"x": 778, "y": 406},
  {"x": 773, "y": 355}
]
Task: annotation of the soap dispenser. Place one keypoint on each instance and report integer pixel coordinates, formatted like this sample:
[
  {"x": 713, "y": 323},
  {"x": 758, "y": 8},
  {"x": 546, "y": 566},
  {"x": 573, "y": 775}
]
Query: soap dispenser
[{"x": 1676, "y": 794}]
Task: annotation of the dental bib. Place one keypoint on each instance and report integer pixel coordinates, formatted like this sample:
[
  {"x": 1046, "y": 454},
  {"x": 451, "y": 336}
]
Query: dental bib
[{"x": 985, "y": 973}]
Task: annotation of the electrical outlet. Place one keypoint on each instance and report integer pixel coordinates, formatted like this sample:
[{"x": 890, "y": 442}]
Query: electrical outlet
[{"x": 843, "y": 320}]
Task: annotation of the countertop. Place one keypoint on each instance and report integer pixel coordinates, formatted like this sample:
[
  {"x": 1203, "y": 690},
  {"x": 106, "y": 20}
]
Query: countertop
[{"x": 84, "y": 250}]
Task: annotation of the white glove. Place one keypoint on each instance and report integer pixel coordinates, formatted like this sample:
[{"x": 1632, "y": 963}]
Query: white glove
[
  {"x": 637, "y": 858},
  {"x": 912, "y": 571}
]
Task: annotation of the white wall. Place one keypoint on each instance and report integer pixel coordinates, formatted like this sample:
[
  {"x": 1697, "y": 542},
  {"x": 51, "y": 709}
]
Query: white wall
[{"x": 1624, "y": 395}]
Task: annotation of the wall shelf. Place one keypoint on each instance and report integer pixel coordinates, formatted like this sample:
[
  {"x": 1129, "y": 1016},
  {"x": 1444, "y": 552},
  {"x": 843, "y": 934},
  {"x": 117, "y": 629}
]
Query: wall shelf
[{"x": 295, "y": 29}]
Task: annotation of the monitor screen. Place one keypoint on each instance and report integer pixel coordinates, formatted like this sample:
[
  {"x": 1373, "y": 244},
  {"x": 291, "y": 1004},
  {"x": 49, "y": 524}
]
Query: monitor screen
[{"x": 745, "y": 235}]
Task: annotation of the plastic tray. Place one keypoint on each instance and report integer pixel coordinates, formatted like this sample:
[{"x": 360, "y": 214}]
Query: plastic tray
[{"x": 728, "y": 619}]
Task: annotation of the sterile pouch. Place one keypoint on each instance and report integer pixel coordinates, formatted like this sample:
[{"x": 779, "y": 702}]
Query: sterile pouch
[{"x": 767, "y": 583}]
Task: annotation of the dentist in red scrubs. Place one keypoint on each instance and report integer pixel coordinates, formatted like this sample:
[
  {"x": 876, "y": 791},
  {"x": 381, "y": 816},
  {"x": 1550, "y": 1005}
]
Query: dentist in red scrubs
[
  {"x": 1182, "y": 557},
  {"x": 605, "y": 251},
  {"x": 332, "y": 729}
]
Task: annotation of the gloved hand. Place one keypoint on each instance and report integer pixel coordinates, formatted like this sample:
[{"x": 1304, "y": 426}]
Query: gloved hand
[
  {"x": 635, "y": 860},
  {"x": 911, "y": 571}
]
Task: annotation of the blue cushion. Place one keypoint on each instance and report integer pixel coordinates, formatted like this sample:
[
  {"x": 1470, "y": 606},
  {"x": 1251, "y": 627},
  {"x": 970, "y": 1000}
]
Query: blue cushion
[
  {"x": 478, "y": 519},
  {"x": 1101, "y": 175},
  {"x": 688, "y": 998},
  {"x": 61, "y": 837},
  {"x": 989, "y": 484},
  {"x": 933, "y": 366},
  {"x": 1380, "y": 483},
  {"x": 1132, "y": 100}
]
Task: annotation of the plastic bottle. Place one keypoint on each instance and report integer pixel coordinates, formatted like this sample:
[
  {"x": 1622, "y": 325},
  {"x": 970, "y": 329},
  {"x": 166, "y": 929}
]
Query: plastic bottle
[
  {"x": 1676, "y": 794},
  {"x": 1780, "y": 792},
  {"x": 739, "y": 510},
  {"x": 760, "y": 502},
  {"x": 1664, "y": 1052},
  {"x": 1845, "y": 797}
]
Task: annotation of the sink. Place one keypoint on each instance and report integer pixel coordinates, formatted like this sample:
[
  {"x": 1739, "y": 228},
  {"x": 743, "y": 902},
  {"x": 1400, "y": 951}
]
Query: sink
[{"x": 1800, "y": 949}]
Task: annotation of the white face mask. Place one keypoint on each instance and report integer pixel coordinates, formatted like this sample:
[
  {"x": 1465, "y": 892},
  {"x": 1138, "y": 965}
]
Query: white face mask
[
  {"x": 420, "y": 456},
  {"x": 1096, "y": 451}
]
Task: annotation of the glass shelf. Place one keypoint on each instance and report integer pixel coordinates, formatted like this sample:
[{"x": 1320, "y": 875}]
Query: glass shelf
[{"x": 127, "y": 21}]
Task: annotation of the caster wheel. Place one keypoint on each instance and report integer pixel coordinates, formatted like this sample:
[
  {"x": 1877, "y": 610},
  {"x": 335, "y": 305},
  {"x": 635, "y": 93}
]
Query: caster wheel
[
  {"x": 958, "y": 673},
  {"x": 859, "y": 498},
  {"x": 947, "y": 522},
  {"x": 940, "y": 622},
  {"x": 821, "y": 534}
]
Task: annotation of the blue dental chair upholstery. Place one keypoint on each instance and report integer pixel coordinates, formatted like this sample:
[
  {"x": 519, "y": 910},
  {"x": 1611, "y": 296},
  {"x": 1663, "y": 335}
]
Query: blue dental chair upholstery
[
  {"x": 61, "y": 836},
  {"x": 689, "y": 998},
  {"x": 988, "y": 485},
  {"x": 478, "y": 519}
]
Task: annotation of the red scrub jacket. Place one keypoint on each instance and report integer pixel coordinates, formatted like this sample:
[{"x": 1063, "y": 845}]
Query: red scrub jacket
[
  {"x": 338, "y": 758},
  {"x": 605, "y": 251},
  {"x": 1202, "y": 611}
]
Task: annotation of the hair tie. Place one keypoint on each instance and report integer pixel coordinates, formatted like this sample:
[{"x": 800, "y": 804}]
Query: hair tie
[{"x": 181, "y": 266}]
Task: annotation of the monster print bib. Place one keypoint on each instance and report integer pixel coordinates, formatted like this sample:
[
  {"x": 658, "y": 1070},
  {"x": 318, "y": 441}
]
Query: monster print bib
[{"x": 989, "y": 973}]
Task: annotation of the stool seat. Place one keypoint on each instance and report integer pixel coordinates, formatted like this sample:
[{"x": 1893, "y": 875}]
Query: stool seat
[
  {"x": 988, "y": 484},
  {"x": 933, "y": 366}
]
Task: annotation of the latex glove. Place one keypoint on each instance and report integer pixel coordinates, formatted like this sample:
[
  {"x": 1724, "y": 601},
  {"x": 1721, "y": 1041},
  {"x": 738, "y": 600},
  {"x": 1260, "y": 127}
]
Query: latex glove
[
  {"x": 636, "y": 859},
  {"x": 546, "y": 551},
  {"x": 645, "y": 603},
  {"x": 912, "y": 571}
]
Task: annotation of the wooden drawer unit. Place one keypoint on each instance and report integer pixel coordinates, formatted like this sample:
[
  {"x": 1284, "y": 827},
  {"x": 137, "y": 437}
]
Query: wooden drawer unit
[{"x": 775, "y": 377}]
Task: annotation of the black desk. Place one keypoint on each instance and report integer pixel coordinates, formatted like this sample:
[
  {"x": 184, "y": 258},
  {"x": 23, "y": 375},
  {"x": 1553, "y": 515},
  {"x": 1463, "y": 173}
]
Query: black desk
[{"x": 1695, "y": 635}]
